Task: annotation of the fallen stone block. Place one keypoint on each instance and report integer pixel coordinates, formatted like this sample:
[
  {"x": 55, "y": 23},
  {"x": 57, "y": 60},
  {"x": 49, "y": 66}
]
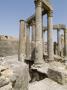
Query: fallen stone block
[
  {"x": 7, "y": 87},
  {"x": 3, "y": 81},
  {"x": 58, "y": 73}
]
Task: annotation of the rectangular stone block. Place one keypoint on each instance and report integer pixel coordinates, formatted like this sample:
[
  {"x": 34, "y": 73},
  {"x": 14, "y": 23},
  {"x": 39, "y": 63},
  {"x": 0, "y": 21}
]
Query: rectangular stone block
[{"x": 59, "y": 76}]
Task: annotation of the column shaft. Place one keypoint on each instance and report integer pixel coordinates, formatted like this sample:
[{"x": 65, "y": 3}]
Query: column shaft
[
  {"x": 50, "y": 48},
  {"x": 22, "y": 41},
  {"x": 44, "y": 42},
  {"x": 33, "y": 40},
  {"x": 39, "y": 43},
  {"x": 28, "y": 44},
  {"x": 59, "y": 42},
  {"x": 65, "y": 43}
]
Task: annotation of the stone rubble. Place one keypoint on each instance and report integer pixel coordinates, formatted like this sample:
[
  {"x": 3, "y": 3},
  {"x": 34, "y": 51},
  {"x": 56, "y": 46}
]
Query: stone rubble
[{"x": 13, "y": 74}]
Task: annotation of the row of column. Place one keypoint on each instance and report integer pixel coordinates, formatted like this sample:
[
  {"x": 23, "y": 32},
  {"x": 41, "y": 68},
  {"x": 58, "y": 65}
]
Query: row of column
[
  {"x": 37, "y": 39},
  {"x": 24, "y": 50},
  {"x": 60, "y": 44},
  {"x": 65, "y": 43},
  {"x": 38, "y": 36}
]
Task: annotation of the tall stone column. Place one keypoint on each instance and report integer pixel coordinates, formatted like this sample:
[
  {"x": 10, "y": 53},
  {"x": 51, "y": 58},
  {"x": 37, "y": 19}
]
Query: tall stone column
[
  {"x": 33, "y": 30},
  {"x": 38, "y": 33},
  {"x": 28, "y": 44},
  {"x": 33, "y": 40},
  {"x": 65, "y": 44},
  {"x": 22, "y": 41},
  {"x": 44, "y": 42},
  {"x": 59, "y": 42},
  {"x": 62, "y": 45},
  {"x": 50, "y": 46}
]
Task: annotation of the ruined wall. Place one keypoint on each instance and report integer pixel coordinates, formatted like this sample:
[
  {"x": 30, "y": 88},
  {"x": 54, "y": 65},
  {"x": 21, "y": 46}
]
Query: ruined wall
[{"x": 8, "y": 45}]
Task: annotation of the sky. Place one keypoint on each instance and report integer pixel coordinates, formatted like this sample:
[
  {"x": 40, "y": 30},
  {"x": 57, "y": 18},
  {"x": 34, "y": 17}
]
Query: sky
[{"x": 11, "y": 11}]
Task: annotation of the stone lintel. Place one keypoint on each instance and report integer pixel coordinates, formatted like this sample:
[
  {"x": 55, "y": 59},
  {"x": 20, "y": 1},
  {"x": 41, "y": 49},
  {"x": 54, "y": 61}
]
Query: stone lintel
[
  {"x": 46, "y": 6},
  {"x": 29, "y": 20},
  {"x": 56, "y": 27}
]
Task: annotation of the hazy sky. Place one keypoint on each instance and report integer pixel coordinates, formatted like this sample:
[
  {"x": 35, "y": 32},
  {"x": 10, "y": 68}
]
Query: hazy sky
[{"x": 11, "y": 11}]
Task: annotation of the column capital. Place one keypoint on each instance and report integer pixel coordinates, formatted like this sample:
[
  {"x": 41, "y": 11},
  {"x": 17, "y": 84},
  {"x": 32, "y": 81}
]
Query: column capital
[
  {"x": 37, "y": 3},
  {"x": 50, "y": 13},
  {"x": 22, "y": 20}
]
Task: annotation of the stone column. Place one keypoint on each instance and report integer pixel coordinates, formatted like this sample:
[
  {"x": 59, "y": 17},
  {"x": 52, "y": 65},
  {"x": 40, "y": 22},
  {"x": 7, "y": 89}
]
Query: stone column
[
  {"x": 62, "y": 45},
  {"x": 38, "y": 32},
  {"x": 33, "y": 30},
  {"x": 59, "y": 42},
  {"x": 50, "y": 48},
  {"x": 22, "y": 41},
  {"x": 44, "y": 42},
  {"x": 55, "y": 48},
  {"x": 33, "y": 40},
  {"x": 65, "y": 44},
  {"x": 28, "y": 44}
]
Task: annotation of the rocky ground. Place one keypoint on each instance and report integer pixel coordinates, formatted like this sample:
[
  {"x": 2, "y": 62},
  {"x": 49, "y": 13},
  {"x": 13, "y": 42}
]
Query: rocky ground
[
  {"x": 47, "y": 84},
  {"x": 13, "y": 74}
]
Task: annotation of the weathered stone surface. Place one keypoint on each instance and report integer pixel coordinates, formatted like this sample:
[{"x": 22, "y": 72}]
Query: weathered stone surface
[
  {"x": 7, "y": 87},
  {"x": 59, "y": 42},
  {"x": 55, "y": 27},
  {"x": 3, "y": 81},
  {"x": 38, "y": 33},
  {"x": 16, "y": 73},
  {"x": 22, "y": 42},
  {"x": 50, "y": 36},
  {"x": 46, "y": 84},
  {"x": 58, "y": 72},
  {"x": 65, "y": 45}
]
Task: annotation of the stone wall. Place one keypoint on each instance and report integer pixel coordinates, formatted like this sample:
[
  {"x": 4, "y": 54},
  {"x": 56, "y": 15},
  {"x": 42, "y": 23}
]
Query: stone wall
[{"x": 8, "y": 45}]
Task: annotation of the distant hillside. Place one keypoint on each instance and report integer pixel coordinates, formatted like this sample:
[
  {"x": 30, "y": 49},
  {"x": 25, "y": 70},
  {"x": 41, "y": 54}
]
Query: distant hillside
[{"x": 8, "y": 45}]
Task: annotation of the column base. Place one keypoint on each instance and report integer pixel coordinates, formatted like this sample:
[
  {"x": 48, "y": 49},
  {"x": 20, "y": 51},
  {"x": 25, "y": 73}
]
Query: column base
[{"x": 39, "y": 63}]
